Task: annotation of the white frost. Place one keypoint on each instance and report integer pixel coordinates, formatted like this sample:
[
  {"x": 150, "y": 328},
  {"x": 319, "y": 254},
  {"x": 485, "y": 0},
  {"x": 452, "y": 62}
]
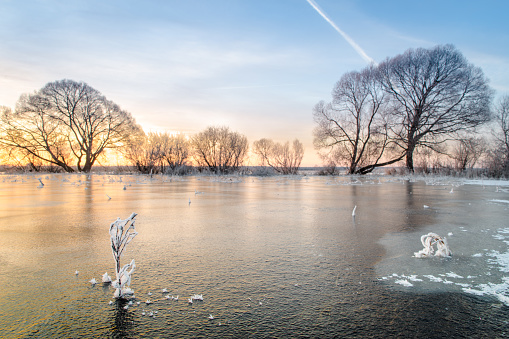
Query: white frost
[
  {"x": 106, "y": 278},
  {"x": 404, "y": 282},
  {"x": 430, "y": 239},
  {"x": 121, "y": 233}
]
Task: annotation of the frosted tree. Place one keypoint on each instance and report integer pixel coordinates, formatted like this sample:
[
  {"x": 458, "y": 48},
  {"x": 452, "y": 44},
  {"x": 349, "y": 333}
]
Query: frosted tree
[{"x": 121, "y": 234}]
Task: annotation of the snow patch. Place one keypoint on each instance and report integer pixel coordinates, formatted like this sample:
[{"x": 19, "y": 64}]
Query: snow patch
[{"x": 404, "y": 282}]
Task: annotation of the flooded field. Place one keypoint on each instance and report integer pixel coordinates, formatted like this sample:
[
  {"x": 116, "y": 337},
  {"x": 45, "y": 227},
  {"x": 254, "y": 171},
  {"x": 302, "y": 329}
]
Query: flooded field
[{"x": 271, "y": 256}]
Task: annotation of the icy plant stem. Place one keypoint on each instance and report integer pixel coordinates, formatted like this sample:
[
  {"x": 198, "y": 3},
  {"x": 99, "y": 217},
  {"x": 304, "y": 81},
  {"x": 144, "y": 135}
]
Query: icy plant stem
[{"x": 121, "y": 233}]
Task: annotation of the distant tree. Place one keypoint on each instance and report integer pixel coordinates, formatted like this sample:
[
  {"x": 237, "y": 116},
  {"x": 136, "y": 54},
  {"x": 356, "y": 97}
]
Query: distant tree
[
  {"x": 219, "y": 149},
  {"x": 437, "y": 93},
  {"x": 283, "y": 158},
  {"x": 155, "y": 152},
  {"x": 352, "y": 130},
  {"x": 502, "y": 120},
  {"x": 467, "y": 152},
  {"x": 498, "y": 160},
  {"x": 67, "y": 121},
  {"x": 434, "y": 160},
  {"x": 175, "y": 151},
  {"x": 143, "y": 153}
]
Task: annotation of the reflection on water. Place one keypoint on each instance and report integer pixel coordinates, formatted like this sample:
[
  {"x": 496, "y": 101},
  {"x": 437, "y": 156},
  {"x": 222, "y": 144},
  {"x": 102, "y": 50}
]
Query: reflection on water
[
  {"x": 272, "y": 257},
  {"x": 123, "y": 320}
]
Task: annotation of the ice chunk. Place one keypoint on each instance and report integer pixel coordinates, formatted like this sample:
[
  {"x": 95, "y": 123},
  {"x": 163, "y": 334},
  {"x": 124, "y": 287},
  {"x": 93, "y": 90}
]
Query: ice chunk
[
  {"x": 404, "y": 282},
  {"x": 428, "y": 241},
  {"x": 106, "y": 278}
]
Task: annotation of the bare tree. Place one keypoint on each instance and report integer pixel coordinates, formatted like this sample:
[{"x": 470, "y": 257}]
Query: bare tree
[
  {"x": 283, "y": 158},
  {"x": 175, "y": 151},
  {"x": 67, "y": 120},
  {"x": 502, "y": 119},
  {"x": 437, "y": 93},
  {"x": 498, "y": 160},
  {"x": 155, "y": 152},
  {"x": 219, "y": 149},
  {"x": 467, "y": 152},
  {"x": 143, "y": 153},
  {"x": 352, "y": 130},
  {"x": 30, "y": 134}
]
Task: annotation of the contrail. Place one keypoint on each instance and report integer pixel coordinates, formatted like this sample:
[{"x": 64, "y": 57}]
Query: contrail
[{"x": 352, "y": 43}]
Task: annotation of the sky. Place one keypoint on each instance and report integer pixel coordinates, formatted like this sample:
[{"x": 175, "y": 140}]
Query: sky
[{"x": 256, "y": 66}]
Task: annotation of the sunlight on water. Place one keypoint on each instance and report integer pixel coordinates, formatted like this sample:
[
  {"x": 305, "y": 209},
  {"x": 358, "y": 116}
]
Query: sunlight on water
[{"x": 271, "y": 256}]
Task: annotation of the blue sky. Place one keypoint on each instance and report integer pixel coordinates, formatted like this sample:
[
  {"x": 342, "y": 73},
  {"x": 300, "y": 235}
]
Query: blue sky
[{"x": 258, "y": 67}]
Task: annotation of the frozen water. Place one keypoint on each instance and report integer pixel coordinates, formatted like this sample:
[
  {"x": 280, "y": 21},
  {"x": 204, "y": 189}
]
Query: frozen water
[
  {"x": 273, "y": 256},
  {"x": 481, "y": 257}
]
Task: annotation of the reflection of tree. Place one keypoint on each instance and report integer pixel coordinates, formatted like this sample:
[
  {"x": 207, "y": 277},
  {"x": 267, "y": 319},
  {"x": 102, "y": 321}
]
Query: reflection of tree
[{"x": 123, "y": 322}]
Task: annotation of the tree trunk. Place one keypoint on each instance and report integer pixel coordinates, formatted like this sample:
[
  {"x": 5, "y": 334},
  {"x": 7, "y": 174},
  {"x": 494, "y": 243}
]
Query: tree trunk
[
  {"x": 410, "y": 156},
  {"x": 87, "y": 167}
]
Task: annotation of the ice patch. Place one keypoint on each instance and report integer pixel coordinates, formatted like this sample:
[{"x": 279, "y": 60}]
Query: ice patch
[
  {"x": 472, "y": 291},
  {"x": 487, "y": 182},
  {"x": 500, "y": 290},
  {"x": 433, "y": 278},
  {"x": 453, "y": 275},
  {"x": 464, "y": 285},
  {"x": 414, "y": 278},
  {"x": 404, "y": 282},
  {"x": 501, "y": 201}
]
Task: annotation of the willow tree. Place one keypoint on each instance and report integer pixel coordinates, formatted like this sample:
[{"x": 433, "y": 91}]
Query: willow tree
[
  {"x": 283, "y": 158},
  {"x": 219, "y": 149},
  {"x": 436, "y": 93},
  {"x": 65, "y": 122},
  {"x": 157, "y": 152}
]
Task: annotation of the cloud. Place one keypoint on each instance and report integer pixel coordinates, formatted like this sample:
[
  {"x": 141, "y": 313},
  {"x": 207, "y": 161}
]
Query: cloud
[{"x": 352, "y": 43}]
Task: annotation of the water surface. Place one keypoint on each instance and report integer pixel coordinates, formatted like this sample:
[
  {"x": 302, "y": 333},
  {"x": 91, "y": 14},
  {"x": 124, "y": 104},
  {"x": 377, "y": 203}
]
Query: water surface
[{"x": 272, "y": 257}]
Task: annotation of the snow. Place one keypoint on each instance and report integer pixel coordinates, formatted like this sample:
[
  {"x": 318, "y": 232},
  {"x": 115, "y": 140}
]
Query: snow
[
  {"x": 501, "y": 201},
  {"x": 404, "y": 282},
  {"x": 106, "y": 278},
  {"x": 489, "y": 182}
]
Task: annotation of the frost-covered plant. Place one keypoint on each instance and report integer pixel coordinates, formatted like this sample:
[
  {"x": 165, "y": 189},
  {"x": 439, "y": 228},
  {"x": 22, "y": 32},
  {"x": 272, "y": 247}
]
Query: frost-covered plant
[
  {"x": 121, "y": 233},
  {"x": 428, "y": 241}
]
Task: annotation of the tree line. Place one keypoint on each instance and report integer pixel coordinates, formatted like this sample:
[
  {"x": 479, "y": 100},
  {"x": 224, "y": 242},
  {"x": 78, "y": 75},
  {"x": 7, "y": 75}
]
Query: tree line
[
  {"x": 423, "y": 102},
  {"x": 69, "y": 125}
]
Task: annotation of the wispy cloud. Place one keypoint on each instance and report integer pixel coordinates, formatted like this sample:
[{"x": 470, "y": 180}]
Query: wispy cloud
[
  {"x": 252, "y": 86},
  {"x": 352, "y": 43}
]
